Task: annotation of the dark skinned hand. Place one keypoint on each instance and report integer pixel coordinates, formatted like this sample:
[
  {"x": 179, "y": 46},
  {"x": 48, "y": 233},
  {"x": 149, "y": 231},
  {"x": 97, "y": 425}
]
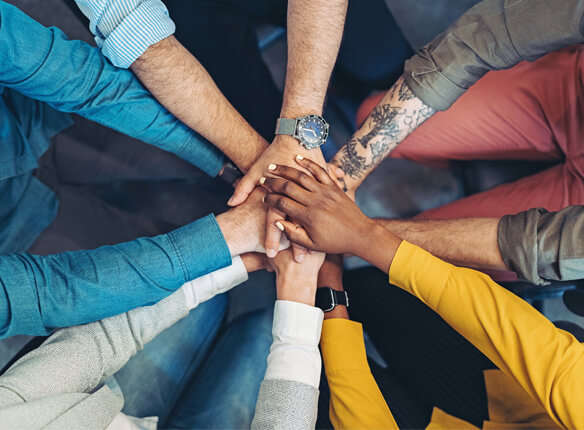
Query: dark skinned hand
[{"x": 329, "y": 220}]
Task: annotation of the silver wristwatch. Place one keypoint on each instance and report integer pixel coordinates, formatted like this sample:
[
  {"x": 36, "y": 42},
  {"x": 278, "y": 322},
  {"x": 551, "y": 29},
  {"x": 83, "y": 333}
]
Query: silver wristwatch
[{"x": 310, "y": 130}]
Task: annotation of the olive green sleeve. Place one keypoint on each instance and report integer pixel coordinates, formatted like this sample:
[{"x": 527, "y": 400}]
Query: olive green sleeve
[{"x": 492, "y": 35}]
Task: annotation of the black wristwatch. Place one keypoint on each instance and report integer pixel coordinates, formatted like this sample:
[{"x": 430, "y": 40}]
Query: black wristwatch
[
  {"x": 230, "y": 173},
  {"x": 327, "y": 299}
]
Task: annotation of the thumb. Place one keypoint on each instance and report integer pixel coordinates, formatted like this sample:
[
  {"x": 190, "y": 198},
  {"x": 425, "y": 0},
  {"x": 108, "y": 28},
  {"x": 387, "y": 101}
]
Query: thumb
[
  {"x": 295, "y": 233},
  {"x": 243, "y": 189}
]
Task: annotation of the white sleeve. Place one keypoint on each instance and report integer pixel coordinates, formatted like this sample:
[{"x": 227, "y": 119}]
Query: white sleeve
[
  {"x": 294, "y": 355},
  {"x": 220, "y": 281}
]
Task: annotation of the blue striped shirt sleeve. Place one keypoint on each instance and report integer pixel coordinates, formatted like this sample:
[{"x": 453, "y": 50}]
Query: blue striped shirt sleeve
[{"x": 124, "y": 29}]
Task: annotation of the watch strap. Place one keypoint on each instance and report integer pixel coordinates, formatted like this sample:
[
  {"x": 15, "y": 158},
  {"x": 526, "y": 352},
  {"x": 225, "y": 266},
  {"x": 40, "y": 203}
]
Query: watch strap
[
  {"x": 327, "y": 298},
  {"x": 230, "y": 173},
  {"x": 286, "y": 126},
  {"x": 341, "y": 298}
]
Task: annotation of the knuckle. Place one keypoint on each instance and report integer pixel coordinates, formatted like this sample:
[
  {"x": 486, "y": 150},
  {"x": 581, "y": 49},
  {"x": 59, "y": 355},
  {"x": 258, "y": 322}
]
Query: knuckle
[
  {"x": 281, "y": 203},
  {"x": 287, "y": 187},
  {"x": 303, "y": 177}
]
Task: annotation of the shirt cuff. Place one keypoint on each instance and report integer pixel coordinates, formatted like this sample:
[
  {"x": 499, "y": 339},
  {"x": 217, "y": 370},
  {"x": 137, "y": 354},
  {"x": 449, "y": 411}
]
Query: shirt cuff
[
  {"x": 208, "y": 286},
  {"x": 428, "y": 84},
  {"x": 343, "y": 346},
  {"x": 200, "y": 247},
  {"x": 144, "y": 26},
  {"x": 419, "y": 273},
  {"x": 294, "y": 354}
]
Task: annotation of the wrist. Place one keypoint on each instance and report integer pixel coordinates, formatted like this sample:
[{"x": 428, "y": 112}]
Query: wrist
[
  {"x": 233, "y": 234},
  {"x": 294, "y": 110},
  {"x": 339, "y": 312},
  {"x": 378, "y": 247},
  {"x": 297, "y": 290}
]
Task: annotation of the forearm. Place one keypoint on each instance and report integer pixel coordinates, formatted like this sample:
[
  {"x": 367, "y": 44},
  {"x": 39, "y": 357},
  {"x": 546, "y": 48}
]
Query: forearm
[
  {"x": 547, "y": 362},
  {"x": 40, "y": 293},
  {"x": 315, "y": 29},
  {"x": 89, "y": 353},
  {"x": 470, "y": 242},
  {"x": 289, "y": 392},
  {"x": 397, "y": 115},
  {"x": 355, "y": 398},
  {"x": 493, "y": 35},
  {"x": 180, "y": 83},
  {"x": 72, "y": 76}
]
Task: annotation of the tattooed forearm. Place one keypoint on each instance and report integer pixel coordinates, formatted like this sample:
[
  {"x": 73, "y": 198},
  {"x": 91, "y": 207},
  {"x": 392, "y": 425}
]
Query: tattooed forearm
[{"x": 398, "y": 114}]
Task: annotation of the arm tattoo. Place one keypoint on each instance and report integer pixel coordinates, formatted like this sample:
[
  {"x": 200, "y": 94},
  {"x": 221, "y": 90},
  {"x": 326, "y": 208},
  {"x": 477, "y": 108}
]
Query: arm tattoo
[{"x": 389, "y": 123}]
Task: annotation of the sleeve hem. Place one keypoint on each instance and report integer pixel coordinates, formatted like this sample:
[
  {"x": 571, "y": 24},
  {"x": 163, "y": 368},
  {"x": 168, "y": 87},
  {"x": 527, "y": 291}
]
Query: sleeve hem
[
  {"x": 200, "y": 247},
  {"x": 143, "y": 27}
]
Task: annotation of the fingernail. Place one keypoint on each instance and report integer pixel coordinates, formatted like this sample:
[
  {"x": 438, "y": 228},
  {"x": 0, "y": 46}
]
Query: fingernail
[
  {"x": 262, "y": 180},
  {"x": 271, "y": 253},
  {"x": 264, "y": 198},
  {"x": 280, "y": 226},
  {"x": 299, "y": 157},
  {"x": 230, "y": 201},
  {"x": 301, "y": 258},
  {"x": 272, "y": 167}
]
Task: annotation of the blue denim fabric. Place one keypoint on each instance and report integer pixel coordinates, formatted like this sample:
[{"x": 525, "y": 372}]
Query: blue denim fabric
[
  {"x": 39, "y": 293},
  {"x": 72, "y": 76},
  {"x": 224, "y": 391},
  {"x": 153, "y": 379},
  {"x": 27, "y": 206},
  {"x": 190, "y": 384},
  {"x": 42, "y": 73}
]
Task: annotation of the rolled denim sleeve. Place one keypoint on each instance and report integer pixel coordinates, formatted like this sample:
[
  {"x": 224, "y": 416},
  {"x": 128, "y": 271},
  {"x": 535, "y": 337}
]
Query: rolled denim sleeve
[
  {"x": 72, "y": 76},
  {"x": 542, "y": 246},
  {"x": 492, "y": 35},
  {"x": 124, "y": 29},
  {"x": 39, "y": 293}
]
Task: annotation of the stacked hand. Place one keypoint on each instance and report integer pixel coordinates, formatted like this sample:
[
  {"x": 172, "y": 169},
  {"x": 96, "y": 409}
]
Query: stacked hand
[
  {"x": 297, "y": 281},
  {"x": 329, "y": 220},
  {"x": 281, "y": 151}
]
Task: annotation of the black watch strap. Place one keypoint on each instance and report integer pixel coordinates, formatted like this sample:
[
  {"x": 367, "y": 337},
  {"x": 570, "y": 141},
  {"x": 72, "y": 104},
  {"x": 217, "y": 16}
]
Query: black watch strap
[
  {"x": 327, "y": 298},
  {"x": 230, "y": 173}
]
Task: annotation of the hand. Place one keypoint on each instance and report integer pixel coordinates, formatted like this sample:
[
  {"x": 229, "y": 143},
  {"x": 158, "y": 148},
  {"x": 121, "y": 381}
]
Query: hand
[
  {"x": 297, "y": 282},
  {"x": 281, "y": 151},
  {"x": 254, "y": 261},
  {"x": 338, "y": 177},
  {"x": 331, "y": 222},
  {"x": 244, "y": 226}
]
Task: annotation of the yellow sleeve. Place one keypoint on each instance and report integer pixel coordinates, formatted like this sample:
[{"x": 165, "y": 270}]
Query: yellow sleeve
[
  {"x": 356, "y": 402},
  {"x": 548, "y": 363}
]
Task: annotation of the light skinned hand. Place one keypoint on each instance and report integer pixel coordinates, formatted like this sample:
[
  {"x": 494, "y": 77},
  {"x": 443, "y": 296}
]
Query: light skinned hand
[
  {"x": 244, "y": 226},
  {"x": 254, "y": 261},
  {"x": 294, "y": 281},
  {"x": 282, "y": 151}
]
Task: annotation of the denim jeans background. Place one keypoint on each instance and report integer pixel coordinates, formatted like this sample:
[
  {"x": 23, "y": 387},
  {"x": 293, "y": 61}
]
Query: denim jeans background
[{"x": 196, "y": 375}]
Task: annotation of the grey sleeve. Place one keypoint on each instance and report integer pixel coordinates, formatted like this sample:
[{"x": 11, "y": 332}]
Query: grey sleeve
[
  {"x": 78, "y": 359},
  {"x": 542, "y": 246},
  {"x": 285, "y": 405},
  {"x": 492, "y": 35}
]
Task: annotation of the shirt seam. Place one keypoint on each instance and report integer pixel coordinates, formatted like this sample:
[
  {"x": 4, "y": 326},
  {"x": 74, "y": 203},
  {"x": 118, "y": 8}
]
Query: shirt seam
[{"x": 180, "y": 257}]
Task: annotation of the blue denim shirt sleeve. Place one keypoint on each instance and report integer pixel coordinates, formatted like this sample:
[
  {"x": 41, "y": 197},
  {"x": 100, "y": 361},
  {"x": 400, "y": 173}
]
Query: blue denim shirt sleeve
[
  {"x": 124, "y": 29},
  {"x": 72, "y": 76},
  {"x": 39, "y": 293}
]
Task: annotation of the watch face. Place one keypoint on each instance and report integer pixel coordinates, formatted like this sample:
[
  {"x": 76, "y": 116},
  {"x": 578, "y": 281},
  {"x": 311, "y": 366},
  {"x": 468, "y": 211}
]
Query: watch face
[{"x": 313, "y": 131}]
